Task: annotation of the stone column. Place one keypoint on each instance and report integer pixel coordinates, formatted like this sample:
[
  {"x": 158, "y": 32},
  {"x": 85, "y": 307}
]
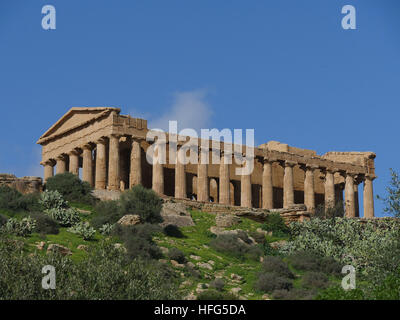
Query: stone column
[
  {"x": 288, "y": 189},
  {"x": 87, "y": 164},
  {"x": 368, "y": 196},
  {"x": 180, "y": 176},
  {"x": 349, "y": 196},
  {"x": 113, "y": 164},
  {"x": 224, "y": 186},
  {"x": 61, "y": 164},
  {"x": 74, "y": 162},
  {"x": 48, "y": 170},
  {"x": 202, "y": 181},
  {"x": 329, "y": 189},
  {"x": 267, "y": 187},
  {"x": 101, "y": 166},
  {"x": 135, "y": 175},
  {"x": 245, "y": 191},
  {"x": 158, "y": 174},
  {"x": 309, "y": 190}
]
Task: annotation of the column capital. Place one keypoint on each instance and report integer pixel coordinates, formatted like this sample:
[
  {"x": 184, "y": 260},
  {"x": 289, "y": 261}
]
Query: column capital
[
  {"x": 308, "y": 166},
  {"x": 115, "y": 135},
  {"x": 61, "y": 157},
  {"x": 101, "y": 140},
  {"x": 266, "y": 159},
  {"x": 135, "y": 139},
  {"x": 87, "y": 146},
  {"x": 326, "y": 170},
  {"x": 48, "y": 162},
  {"x": 370, "y": 176},
  {"x": 351, "y": 174},
  {"x": 74, "y": 152},
  {"x": 289, "y": 163}
]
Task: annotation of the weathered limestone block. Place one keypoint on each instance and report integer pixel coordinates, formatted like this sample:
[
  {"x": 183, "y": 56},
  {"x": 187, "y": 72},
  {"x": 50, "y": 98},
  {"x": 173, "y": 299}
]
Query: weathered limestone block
[
  {"x": 129, "y": 220},
  {"x": 24, "y": 185},
  {"x": 226, "y": 220},
  {"x": 175, "y": 213},
  {"x": 54, "y": 247}
]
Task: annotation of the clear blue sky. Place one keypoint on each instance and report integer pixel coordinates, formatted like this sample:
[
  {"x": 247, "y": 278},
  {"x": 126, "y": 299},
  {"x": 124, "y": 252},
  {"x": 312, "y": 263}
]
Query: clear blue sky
[{"x": 285, "y": 68}]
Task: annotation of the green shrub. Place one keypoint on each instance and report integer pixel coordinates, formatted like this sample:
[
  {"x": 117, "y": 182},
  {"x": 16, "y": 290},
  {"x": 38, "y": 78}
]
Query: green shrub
[
  {"x": 293, "y": 294},
  {"x": 276, "y": 265},
  {"x": 316, "y": 280},
  {"x": 309, "y": 261},
  {"x": 30, "y": 202},
  {"x": 22, "y": 227},
  {"x": 177, "y": 255},
  {"x": 3, "y": 220},
  {"x": 268, "y": 282},
  {"x": 83, "y": 229},
  {"x": 106, "y": 229},
  {"x": 328, "y": 265},
  {"x": 216, "y": 295},
  {"x": 326, "y": 213},
  {"x": 9, "y": 198},
  {"x": 52, "y": 200},
  {"x": 305, "y": 261},
  {"x": 71, "y": 187},
  {"x": 172, "y": 230},
  {"x": 275, "y": 223},
  {"x": 143, "y": 202},
  {"x": 45, "y": 224},
  {"x": 217, "y": 284},
  {"x": 138, "y": 240},
  {"x": 363, "y": 245},
  {"x": 65, "y": 217},
  {"x": 103, "y": 274},
  {"x": 338, "y": 293},
  {"x": 107, "y": 212},
  {"x": 267, "y": 249},
  {"x": 231, "y": 244}
]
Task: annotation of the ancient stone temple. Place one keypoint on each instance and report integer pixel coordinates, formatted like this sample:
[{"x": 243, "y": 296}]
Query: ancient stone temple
[{"x": 108, "y": 150}]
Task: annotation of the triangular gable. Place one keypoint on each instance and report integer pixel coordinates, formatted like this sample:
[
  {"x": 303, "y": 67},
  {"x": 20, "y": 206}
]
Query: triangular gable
[{"x": 75, "y": 118}]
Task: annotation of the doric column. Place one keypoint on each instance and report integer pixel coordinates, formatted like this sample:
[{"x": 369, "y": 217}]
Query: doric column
[
  {"x": 267, "y": 187},
  {"x": 180, "y": 176},
  {"x": 48, "y": 170},
  {"x": 288, "y": 189},
  {"x": 202, "y": 179},
  {"x": 87, "y": 164},
  {"x": 61, "y": 164},
  {"x": 329, "y": 189},
  {"x": 368, "y": 195},
  {"x": 158, "y": 172},
  {"x": 245, "y": 190},
  {"x": 74, "y": 162},
  {"x": 101, "y": 166},
  {"x": 349, "y": 195},
  {"x": 113, "y": 164},
  {"x": 135, "y": 175},
  {"x": 224, "y": 186},
  {"x": 309, "y": 190}
]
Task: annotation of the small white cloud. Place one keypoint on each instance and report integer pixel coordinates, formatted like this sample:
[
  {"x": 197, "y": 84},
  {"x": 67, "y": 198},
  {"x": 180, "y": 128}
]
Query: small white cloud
[{"x": 190, "y": 109}]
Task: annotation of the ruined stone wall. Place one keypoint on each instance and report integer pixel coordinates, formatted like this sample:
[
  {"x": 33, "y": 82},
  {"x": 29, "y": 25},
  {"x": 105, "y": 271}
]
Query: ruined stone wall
[{"x": 24, "y": 185}]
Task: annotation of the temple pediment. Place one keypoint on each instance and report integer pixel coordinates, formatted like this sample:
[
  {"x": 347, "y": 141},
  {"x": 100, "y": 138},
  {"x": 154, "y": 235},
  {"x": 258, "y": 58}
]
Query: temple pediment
[{"x": 76, "y": 117}]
